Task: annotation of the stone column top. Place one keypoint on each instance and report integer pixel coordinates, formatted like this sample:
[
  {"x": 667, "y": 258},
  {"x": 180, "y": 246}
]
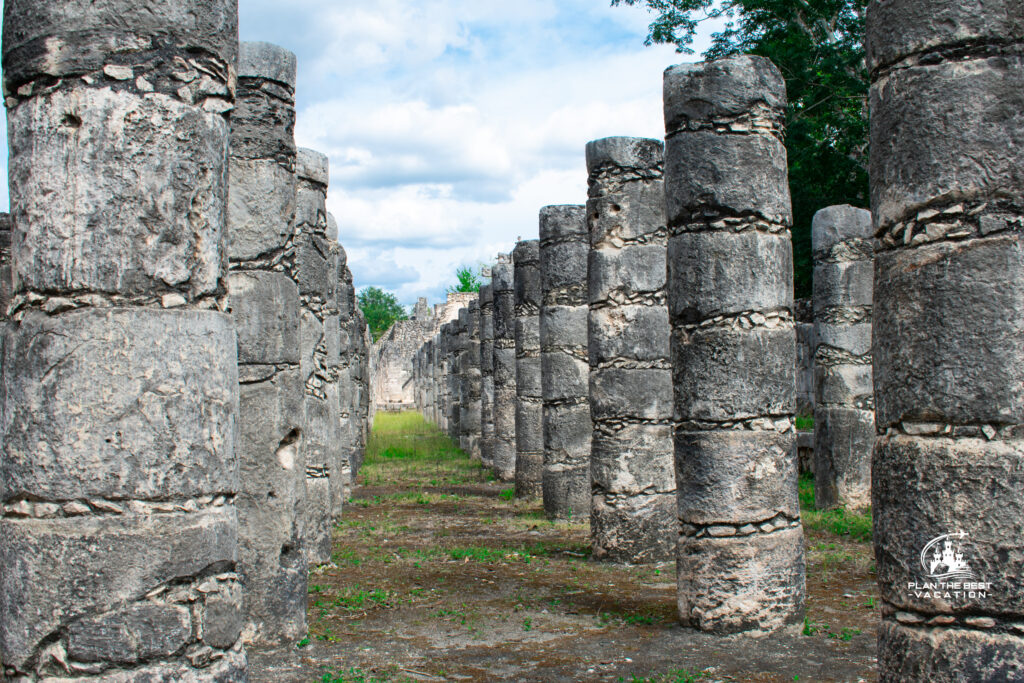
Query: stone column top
[
  {"x": 836, "y": 224},
  {"x": 266, "y": 60},
  {"x": 625, "y": 152},
  {"x": 57, "y": 39},
  {"x": 312, "y": 166},
  {"x": 486, "y": 295},
  {"x": 502, "y": 276},
  {"x": 722, "y": 89},
  {"x": 526, "y": 251},
  {"x": 561, "y": 221},
  {"x": 896, "y": 29}
]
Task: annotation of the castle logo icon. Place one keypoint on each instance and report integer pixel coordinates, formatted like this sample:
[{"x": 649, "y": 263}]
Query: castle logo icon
[{"x": 942, "y": 558}]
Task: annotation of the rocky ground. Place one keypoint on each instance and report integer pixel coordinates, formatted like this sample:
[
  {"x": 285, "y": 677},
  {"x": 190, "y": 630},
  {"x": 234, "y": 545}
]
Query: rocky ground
[{"x": 439, "y": 574}]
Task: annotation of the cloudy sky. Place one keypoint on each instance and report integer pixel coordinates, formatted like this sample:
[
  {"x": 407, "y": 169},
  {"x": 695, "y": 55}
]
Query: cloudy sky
[{"x": 449, "y": 123}]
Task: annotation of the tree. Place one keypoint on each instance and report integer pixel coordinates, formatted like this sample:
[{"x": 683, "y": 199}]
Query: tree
[
  {"x": 468, "y": 280},
  {"x": 380, "y": 309},
  {"x": 817, "y": 44}
]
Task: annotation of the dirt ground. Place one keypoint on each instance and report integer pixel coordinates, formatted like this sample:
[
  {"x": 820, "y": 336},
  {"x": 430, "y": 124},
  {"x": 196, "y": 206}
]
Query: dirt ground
[{"x": 441, "y": 576}]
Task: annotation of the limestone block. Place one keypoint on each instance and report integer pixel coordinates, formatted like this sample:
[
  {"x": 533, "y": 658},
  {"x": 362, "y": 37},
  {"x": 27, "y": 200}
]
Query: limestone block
[
  {"x": 564, "y": 326},
  {"x": 311, "y": 207},
  {"x": 149, "y": 170},
  {"x": 564, "y": 376},
  {"x": 78, "y": 36},
  {"x": 947, "y": 655},
  {"x": 267, "y": 61},
  {"x": 897, "y": 29},
  {"x": 834, "y": 225},
  {"x": 624, "y": 154},
  {"x": 915, "y": 158},
  {"x": 134, "y": 435},
  {"x": 319, "y": 516},
  {"x": 98, "y": 563},
  {"x": 736, "y": 477},
  {"x": 738, "y": 175},
  {"x": 644, "y": 394},
  {"x": 722, "y": 273},
  {"x": 265, "y": 308},
  {"x": 843, "y": 441},
  {"x": 528, "y": 377},
  {"x": 114, "y": 636},
  {"x": 628, "y": 333},
  {"x": 742, "y": 583},
  {"x": 955, "y": 485},
  {"x": 632, "y": 461},
  {"x": 632, "y": 529},
  {"x": 934, "y": 301},
  {"x": 623, "y": 273},
  {"x": 261, "y": 206},
  {"x": 723, "y": 89},
  {"x": 263, "y": 123},
  {"x": 843, "y": 384},
  {"x": 313, "y": 166},
  {"x": 710, "y": 359},
  {"x": 852, "y": 339},
  {"x": 844, "y": 284}
]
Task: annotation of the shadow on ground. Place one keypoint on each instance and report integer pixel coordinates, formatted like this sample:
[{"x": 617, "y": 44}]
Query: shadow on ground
[{"x": 439, "y": 575}]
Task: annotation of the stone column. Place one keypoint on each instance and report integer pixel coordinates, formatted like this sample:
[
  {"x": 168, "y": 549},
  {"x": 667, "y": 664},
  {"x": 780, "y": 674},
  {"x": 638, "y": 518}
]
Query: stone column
[
  {"x": 529, "y": 397},
  {"x": 487, "y": 375},
  {"x": 632, "y": 514},
  {"x": 459, "y": 389},
  {"x": 316, "y": 272},
  {"x": 364, "y": 344},
  {"x": 947, "y": 197},
  {"x": 844, "y": 415},
  {"x": 347, "y": 420},
  {"x": 118, "y": 476},
  {"x": 565, "y": 372},
  {"x": 470, "y": 411},
  {"x": 504, "y": 357},
  {"x": 730, "y": 296},
  {"x": 264, "y": 300}
]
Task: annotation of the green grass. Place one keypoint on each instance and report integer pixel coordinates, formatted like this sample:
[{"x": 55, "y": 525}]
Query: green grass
[
  {"x": 804, "y": 423},
  {"x": 841, "y": 522},
  {"x": 404, "y": 447}
]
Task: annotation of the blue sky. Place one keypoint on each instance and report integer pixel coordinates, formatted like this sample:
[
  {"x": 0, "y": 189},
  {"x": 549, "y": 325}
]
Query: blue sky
[{"x": 449, "y": 123}]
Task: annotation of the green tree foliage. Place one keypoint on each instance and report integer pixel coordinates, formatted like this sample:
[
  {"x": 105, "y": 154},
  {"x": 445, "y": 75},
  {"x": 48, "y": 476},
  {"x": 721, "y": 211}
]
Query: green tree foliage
[
  {"x": 469, "y": 281},
  {"x": 817, "y": 44},
  {"x": 381, "y": 309}
]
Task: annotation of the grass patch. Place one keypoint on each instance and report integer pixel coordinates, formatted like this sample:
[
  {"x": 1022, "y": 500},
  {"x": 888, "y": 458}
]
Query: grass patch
[
  {"x": 804, "y": 423},
  {"x": 840, "y": 521},
  {"x": 404, "y": 447}
]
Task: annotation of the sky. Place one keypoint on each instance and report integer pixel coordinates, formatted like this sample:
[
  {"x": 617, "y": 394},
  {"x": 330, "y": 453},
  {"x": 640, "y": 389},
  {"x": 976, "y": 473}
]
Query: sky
[{"x": 450, "y": 123}]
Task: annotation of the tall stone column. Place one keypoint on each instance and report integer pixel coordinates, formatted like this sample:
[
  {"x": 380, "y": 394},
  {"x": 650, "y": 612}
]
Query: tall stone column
[
  {"x": 565, "y": 372},
  {"x": 316, "y": 272},
  {"x": 118, "y": 476},
  {"x": 730, "y": 298},
  {"x": 459, "y": 389},
  {"x": 633, "y": 507},
  {"x": 947, "y": 197},
  {"x": 264, "y": 300},
  {"x": 504, "y": 357},
  {"x": 364, "y": 344},
  {"x": 347, "y": 420},
  {"x": 487, "y": 375},
  {"x": 529, "y": 397},
  {"x": 844, "y": 415},
  {"x": 470, "y": 406}
]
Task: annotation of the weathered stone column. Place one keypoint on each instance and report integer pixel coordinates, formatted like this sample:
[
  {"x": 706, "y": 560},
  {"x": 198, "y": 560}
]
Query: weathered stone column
[
  {"x": 364, "y": 344},
  {"x": 947, "y": 197},
  {"x": 264, "y": 301},
  {"x": 504, "y": 463},
  {"x": 487, "y": 375},
  {"x": 844, "y": 415},
  {"x": 316, "y": 272},
  {"x": 529, "y": 397},
  {"x": 118, "y": 476},
  {"x": 459, "y": 389},
  {"x": 730, "y": 297},
  {"x": 633, "y": 506},
  {"x": 470, "y": 415},
  {"x": 347, "y": 420},
  {"x": 565, "y": 372}
]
